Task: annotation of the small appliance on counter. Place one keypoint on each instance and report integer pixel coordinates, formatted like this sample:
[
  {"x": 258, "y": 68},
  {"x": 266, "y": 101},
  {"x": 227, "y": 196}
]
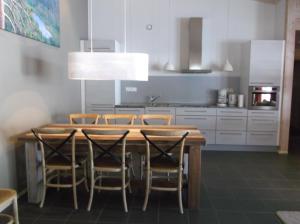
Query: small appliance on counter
[
  {"x": 232, "y": 100},
  {"x": 241, "y": 101},
  {"x": 222, "y": 98}
]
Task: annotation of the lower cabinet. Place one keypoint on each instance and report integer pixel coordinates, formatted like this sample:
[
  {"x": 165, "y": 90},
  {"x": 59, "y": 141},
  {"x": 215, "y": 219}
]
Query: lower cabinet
[
  {"x": 161, "y": 110},
  {"x": 136, "y": 111},
  {"x": 210, "y": 136},
  {"x": 262, "y": 138},
  {"x": 231, "y": 137}
]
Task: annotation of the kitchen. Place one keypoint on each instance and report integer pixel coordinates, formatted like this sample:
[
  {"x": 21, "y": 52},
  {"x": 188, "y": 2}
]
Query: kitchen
[{"x": 192, "y": 96}]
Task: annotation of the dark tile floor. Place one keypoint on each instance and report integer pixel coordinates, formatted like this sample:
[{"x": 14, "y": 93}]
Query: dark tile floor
[{"x": 238, "y": 188}]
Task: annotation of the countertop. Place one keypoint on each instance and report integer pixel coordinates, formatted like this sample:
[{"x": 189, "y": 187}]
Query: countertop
[{"x": 141, "y": 105}]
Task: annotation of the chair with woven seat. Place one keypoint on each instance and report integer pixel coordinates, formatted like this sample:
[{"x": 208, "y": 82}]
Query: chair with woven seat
[
  {"x": 57, "y": 164},
  {"x": 159, "y": 119},
  {"x": 9, "y": 197},
  {"x": 125, "y": 119},
  {"x": 84, "y": 118},
  {"x": 165, "y": 161},
  {"x": 104, "y": 158}
]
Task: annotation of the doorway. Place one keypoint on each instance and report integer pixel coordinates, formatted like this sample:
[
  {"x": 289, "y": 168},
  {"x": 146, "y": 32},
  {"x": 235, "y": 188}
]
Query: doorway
[{"x": 294, "y": 140}]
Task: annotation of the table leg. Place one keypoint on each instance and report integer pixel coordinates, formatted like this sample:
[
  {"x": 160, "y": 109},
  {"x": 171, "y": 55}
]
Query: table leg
[
  {"x": 194, "y": 181},
  {"x": 33, "y": 172}
]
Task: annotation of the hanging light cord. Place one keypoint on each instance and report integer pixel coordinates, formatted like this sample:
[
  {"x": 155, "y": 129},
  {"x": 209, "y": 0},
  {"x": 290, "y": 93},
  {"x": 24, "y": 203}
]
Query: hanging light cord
[
  {"x": 227, "y": 31},
  {"x": 169, "y": 42},
  {"x": 125, "y": 26},
  {"x": 91, "y": 26}
]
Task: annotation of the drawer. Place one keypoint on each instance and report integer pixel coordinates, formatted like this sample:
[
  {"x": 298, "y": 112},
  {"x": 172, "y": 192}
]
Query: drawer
[
  {"x": 136, "y": 111},
  {"x": 231, "y": 137},
  {"x": 263, "y": 113},
  {"x": 101, "y": 110},
  {"x": 202, "y": 122},
  {"x": 196, "y": 111},
  {"x": 210, "y": 136},
  {"x": 232, "y": 123},
  {"x": 232, "y": 112},
  {"x": 160, "y": 110},
  {"x": 262, "y": 138},
  {"x": 262, "y": 124}
]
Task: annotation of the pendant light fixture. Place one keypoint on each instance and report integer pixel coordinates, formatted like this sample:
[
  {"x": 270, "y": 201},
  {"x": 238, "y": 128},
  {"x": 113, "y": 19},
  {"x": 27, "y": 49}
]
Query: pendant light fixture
[
  {"x": 228, "y": 66},
  {"x": 108, "y": 66},
  {"x": 169, "y": 66}
]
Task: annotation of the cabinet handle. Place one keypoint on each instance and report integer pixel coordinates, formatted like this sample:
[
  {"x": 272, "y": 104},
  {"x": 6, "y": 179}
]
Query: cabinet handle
[
  {"x": 159, "y": 111},
  {"x": 101, "y": 111},
  {"x": 263, "y": 113},
  {"x": 230, "y": 133},
  {"x": 232, "y": 119},
  {"x": 194, "y": 118},
  {"x": 124, "y": 110},
  {"x": 264, "y": 83},
  {"x": 260, "y": 134},
  {"x": 195, "y": 111},
  {"x": 263, "y": 120}
]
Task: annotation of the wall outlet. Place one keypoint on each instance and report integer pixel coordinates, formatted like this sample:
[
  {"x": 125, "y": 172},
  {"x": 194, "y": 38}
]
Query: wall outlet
[{"x": 131, "y": 89}]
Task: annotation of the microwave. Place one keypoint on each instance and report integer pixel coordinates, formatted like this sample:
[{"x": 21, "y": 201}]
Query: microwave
[{"x": 263, "y": 97}]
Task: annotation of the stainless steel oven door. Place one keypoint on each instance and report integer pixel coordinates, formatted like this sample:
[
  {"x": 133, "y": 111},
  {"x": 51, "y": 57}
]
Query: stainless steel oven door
[{"x": 263, "y": 98}]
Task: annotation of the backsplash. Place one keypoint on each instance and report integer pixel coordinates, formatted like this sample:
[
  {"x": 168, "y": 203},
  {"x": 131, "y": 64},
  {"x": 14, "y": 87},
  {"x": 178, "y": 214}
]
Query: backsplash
[{"x": 202, "y": 90}]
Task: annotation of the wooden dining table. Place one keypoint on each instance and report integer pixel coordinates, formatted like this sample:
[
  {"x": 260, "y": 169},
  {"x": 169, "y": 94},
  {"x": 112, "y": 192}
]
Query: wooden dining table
[{"x": 194, "y": 142}]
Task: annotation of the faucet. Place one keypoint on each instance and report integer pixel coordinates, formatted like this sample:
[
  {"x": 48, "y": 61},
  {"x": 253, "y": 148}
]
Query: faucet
[{"x": 152, "y": 99}]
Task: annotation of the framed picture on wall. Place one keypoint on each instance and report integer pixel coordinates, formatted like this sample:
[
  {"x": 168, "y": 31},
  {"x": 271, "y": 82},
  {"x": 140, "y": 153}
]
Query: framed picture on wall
[{"x": 35, "y": 19}]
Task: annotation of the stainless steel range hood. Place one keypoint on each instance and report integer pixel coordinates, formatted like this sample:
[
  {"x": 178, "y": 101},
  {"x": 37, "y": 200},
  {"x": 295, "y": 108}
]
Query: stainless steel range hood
[{"x": 195, "y": 46}]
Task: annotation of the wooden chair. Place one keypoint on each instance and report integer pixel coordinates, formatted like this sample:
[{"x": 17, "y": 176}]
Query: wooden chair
[
  {"x": 164, "y": 119},
  {"x": 83, "y": 118},
  {"x": 9, "y": 197},
  {"x": 55, "y": 161},
  {"x": 126, "y": 118},
  {"x": 164, "y": 162},
  {"x": 104, "y": 159}
]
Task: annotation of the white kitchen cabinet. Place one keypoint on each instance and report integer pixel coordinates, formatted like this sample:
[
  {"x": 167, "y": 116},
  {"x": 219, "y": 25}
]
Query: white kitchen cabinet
[
  {"x": 100, "y": 109},
  {"x": 161, "y": 110},
  {"x": 231, "y": 137},
  {"x": 232, "y": 112},
  {"x": 263, "y": 113},
  {"x": 196, "y": 111},
  {"x": 206, "y": 124},
  {"x": 232, "y": 123},
  {"x": 136, "y": 111},
  {"x": 266, "y": 62},
  {"x": 262, "y": 123},
  {"x": 262, "y": 138}
]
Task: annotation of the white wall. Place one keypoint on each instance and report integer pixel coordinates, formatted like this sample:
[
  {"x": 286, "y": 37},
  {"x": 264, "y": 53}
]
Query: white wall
[
  {"x": 248, "y": 19},
  {"x": 34, "y": 88}
]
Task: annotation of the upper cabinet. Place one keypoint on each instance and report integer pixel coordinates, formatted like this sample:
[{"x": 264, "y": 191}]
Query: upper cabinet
[{"x": 266, "y": 62}]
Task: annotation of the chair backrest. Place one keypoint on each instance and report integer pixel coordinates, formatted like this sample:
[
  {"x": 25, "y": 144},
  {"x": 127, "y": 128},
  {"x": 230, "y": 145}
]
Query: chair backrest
[
  {"x": 170, "y": 140},
  {"x": 84, "y": 118},
  {"x": 126, "y": 118},
  {"x": 164, "y": 119},
  {"x": 100, "y": 146},
  {"x": 49, "y": 148}
]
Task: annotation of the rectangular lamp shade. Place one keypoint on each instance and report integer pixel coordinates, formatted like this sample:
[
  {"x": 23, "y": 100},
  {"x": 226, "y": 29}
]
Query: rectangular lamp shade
[{"x": 108, "y": 66}]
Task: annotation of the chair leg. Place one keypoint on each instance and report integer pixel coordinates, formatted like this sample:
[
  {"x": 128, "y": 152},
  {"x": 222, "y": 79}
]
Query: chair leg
[
  {"x": 180, "y": 193},
  {"x": 129, "y": 180},
  {"x": 124, "y": 190},
  {"x": 85, "y": 177},
  {"x": 147, "y": 190},
  {"x": 142, "y": 166},
  {"x": 92, "y": 187},
  {"x": 44, "y": 190},
  {"x": 16, "y": 213},
  {"x": 58, "y": 179},
  {"x": 74, "y": 190}
]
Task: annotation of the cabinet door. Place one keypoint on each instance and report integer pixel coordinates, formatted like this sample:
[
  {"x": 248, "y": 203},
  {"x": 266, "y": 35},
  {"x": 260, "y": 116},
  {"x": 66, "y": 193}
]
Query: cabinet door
[
  {"x": 262, "y": 124},
  {"x": 266, "y": 63},
  {"x": 210, "y": 136},
  {"x": 196, "y": 111},
  {"x": 202, "y": 122},
  {"x": 161, "y": 110},
  {"x": 231, "y": 137},
  {"x": 232, "y": 123},
  {"x": 262, "y": 138},
  {"x": 99, "y": 109},
  {"x": 231, "y": 112}
]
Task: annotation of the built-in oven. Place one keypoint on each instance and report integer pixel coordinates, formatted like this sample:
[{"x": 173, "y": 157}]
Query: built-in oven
[{"x": 264, "y": 97}]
